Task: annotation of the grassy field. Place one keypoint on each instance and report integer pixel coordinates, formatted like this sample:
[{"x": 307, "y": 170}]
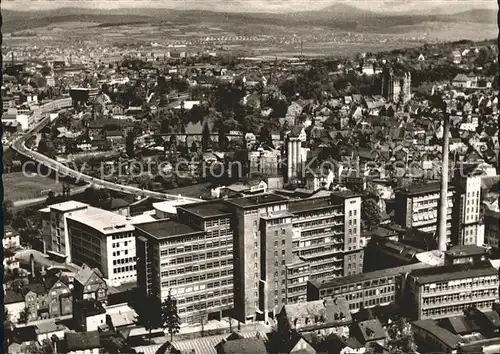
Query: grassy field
[{"x": 18, "y": 186}]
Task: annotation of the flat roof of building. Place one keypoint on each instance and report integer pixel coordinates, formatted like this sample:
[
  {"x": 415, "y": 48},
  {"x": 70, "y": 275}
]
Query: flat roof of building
[
  {"x": 453, "y": 272},
  {"x": 345, "y": 194},
  {"x": 68, "y": 206},
  {"x": 101, "y": 220},
  {"x": 433, "y": 187},
  {"x": 466, "y": 250},
  {"x": 170, "y": 206},
  {"x": 208, "y": 209},
  {"x": 276, "y": 215},
  {"x": 257, "y": 200},
  {"x": 352, "y": 279},
  {"x": 166, "y": 228},
  {"x": 301, "y": 205}
]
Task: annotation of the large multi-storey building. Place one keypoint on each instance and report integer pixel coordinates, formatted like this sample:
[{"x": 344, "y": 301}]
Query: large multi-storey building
[
  {"x": 467, "y": 228},
  {"x": 250, "y": 246},
  {"x": 281, "y": 243},
  {"x": 492, "y": 228},
  {"x": 192, "y": 257},
  {"x": 327, "y": 241},
  {"x": 278, "y": 244},
  {"x": 103, "y": 240},
  {"x": 417, "y": 207},
  {"x": 448, "y": 290},
  {"x": 55, "y": 226},
  {"x": 364, "y": 290},
  {"x": 264, "y": 161},
  {"x": 396, "y": 88}
]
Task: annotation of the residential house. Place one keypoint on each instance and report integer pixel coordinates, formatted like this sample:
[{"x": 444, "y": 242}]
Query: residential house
[
  {"x": 456, "y": 57},
  {"x": 48, "y": 299},
  {"x": 368, "y": 332},
  {"x": 14, "y": 303},
  {"x": 81, "y": 343},
  {"x": 89, "y": 284},
  {"x": 250, "y": 139},
  {"x": 464, "y": 81},
  {"x": 322, "y": 316},
  {"x": 10, "y": 262},
  {"x": 121, "y": 316},
  {"x": 242, "y": 346},
  {"x": 335, "y": 344},
  {"x": 293, "y": 111},
  {"x": 11, "y": 239},
  {"x": 89, "y": 315},
  {"x": 289, "y": 344}
]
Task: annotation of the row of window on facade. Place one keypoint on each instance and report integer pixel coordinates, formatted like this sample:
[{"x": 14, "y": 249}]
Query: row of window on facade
[
  {"x": 203, "y": 296},
  {"x": 194, "y": 248},
  {"x": 196, "y": 257},
  {"x": 122, "y": 236},
  {"x": 117, "y": 244},
  {"x": 194, "y": 288},
  {"x": 462, "y": 284},
  {"x": 124, "y": 260},
  {"x": 473, "y": 295},
  {"x": 197, "y": 278},
  {"x": 128, "y": 268},
  {"x": 371, "y": 302},
  {"x": 456, "y": 308},
  {"x": 196, "y": 268},
  {"x": 217, "y": 222}
]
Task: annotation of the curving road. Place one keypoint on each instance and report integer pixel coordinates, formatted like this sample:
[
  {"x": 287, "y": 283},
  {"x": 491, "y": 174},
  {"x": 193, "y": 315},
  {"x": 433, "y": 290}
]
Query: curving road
[{"x": 19, "y": 145}]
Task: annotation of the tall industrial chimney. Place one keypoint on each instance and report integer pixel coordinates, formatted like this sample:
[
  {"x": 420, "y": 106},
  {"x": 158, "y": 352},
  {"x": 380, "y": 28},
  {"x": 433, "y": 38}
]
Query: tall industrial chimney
[{"x": 443, "y": 205}]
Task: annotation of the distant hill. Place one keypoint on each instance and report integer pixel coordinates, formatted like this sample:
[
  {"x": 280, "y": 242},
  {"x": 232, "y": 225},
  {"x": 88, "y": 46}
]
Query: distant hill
[{"x": 338, "y": 16}]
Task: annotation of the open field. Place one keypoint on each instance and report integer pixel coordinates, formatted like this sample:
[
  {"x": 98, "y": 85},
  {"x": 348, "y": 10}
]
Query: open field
[
  {"x": 335, "y": 31},
  {"x": 193, "y": 191},
  {"x": 18, "y": 186}
]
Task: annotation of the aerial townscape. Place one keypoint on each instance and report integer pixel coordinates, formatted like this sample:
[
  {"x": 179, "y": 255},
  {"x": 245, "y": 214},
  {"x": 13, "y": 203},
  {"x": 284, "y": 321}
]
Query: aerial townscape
[{"x": 207, "y": 181}]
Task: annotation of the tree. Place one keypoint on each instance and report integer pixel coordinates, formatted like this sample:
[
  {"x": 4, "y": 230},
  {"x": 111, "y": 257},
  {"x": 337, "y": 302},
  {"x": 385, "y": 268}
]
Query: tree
[
  {"x": 42, "y": 145},
  {"x": 265, "y": 135},
  {"x": 150, "y": 314},
  {"x": 370, "y": 212},
  {"x": 145, "y": 181},
  {"x": 483, "y": 57},
  {"x": 170, "y": 317},
  {"x": 7, "y": 320},
  {"x": 400, "y": 337},
  {"x": 194, "y": 147},
  {"x": 205, "y": 138},
  {"x": 46, "y": 347},
  {"x": 24, "y": 316},
  {"x": 129, "y": 145},
  {"x": 114, "y": 344},
  {"x": 7, "y": 210}
]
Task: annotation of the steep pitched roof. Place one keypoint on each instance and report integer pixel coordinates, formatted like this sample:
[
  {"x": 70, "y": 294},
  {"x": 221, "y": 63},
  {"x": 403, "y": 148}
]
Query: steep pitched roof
[
  {"x": 12, "y": 297},
  {"x": 83, "y": 340},
  {"x": 371, "y": 330},
  {"x": 329, "y": 311},
  {"x": 244, "y": 346},
  {"x": 85, "y": 273}
]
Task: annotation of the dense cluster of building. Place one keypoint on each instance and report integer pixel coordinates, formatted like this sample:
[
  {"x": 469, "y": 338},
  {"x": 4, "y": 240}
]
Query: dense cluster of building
[{"x": 289, "y": 249}]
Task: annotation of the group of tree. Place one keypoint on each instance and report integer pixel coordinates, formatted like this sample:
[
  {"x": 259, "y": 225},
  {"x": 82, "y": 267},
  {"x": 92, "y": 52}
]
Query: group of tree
[
  {"x": 154, "y": 314},
  {"x": 371, "y": 215}
]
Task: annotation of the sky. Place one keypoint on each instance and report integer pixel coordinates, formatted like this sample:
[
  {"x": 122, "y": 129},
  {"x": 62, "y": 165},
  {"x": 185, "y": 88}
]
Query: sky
[{"x": 404, "y": 6}]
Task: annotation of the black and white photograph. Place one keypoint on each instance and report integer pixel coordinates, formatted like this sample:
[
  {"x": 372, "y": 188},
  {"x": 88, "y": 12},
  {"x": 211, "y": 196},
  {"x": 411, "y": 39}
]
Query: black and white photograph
[{"x": 250, "y": 176}]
